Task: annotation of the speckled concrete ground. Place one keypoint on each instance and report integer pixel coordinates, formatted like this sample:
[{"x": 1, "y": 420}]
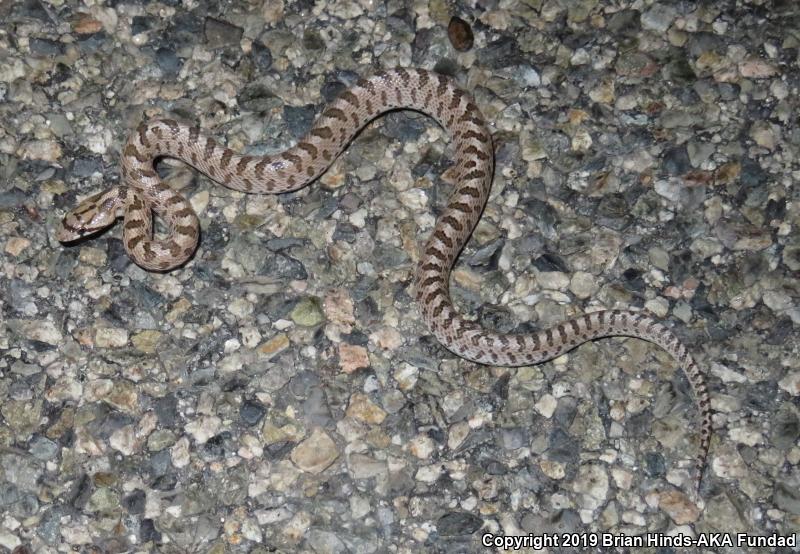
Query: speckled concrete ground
[{"x": 280, "y": 393}]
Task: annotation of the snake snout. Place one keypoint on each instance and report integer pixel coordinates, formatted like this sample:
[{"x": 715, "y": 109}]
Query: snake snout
[
  {"x": 68, "y": 232},
  {"x": 77, "y": 224}
]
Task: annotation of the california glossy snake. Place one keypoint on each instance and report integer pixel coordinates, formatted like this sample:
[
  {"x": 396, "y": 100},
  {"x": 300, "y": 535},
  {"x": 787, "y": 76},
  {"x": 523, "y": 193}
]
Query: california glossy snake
[{"x": 415, "y": 89}]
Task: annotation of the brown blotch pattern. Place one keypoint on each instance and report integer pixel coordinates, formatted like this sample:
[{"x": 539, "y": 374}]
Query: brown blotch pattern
[
  {"x": 227, "y": 154},
  {"x": 350, "y": 98},
  {"x": 335, "y": 113},
  {"x": 322, "y": 132}
]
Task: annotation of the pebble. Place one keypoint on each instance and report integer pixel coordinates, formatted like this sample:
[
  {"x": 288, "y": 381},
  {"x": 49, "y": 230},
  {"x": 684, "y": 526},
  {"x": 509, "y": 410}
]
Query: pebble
[
  {"x": 421, "y": 447},
  {"x": 387, "y": 338},
  {"x": 160, "y": 439},
  {"x": 762, "y": 135},
  {"x": 86, "y": 25},
  {"x": 757, "y": 69},
  {"x": 275, "y": 345},
  {"x": 546, "y": 405},
  {"x": 122, "y": 395},
  {"x": 124, "y": 440},
  {"x": 221, "y": 33},
  {"x": 659, "y": 17},
  {"x": 592, "y": 483},
  {"x": 366, "y": 467},
  {"x": 363, "y": 409},
  {"x": 554, "y": 470},
  {"x": 307, "y": 313},
  {"x": 460, "y": 34},
  {"x": 44, "y": 150},
  {"x": 107, "y": 337},
  {"x": 791, "y": 383},
  {"x": 338, "y": 307},
  {"x": 458, "y": 524},
  {"x": 294, "y": 530},
  {"x": 316, "y": 453},
  {"x": 10, "y": 541},
  {"x": 352, "y": 357},
  {"x": 583, "y": 285},
  {"x": 777, "y": 301},
  {"x": 414, "y": 199},
  {"x": 37, "y": 330},
  {"x": 406, "y": 376},
  {"x": 204, "y": 428},
  {"x": 261, "y": 55},
  {"x": 146, "y": 341},
  {"x": 729, "y": 465},
  {"x": 17, "y": 245},
  {"x": 677, "y": 505}
]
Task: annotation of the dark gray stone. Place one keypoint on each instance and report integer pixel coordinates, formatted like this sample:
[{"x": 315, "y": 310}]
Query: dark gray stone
[
  {"x": 43, "y": 448},
  {"x": 404, "y": 126},
  {"x": 561, "y": 447},
  {"x": 166, "y": 409},
  {"x": 283, "y": 267},
  {"x": 312, "y": 40},
  {"x": 168, "y": 61},
  {"x": 261, "y": 56},
  {"x": 502, "y": 52},
  {"x": 148, "y": 532},
  {"x": 251, "y": 412},
  {"x": 626, "y": 21},
  {"x": 89, "y": 44},
  {"x": 633, "y": 280},
  {"x": 12, "y": 198},
  {"x": 256, "y": 98},
  {"x": 299, "y": 119},
  {"x": 86, "y": 167},
  {"x": 49, "y": 527},
  {"x": 134, "y": 502},
  {"x": 676, "y": 160},
  {"x": 220, "y": 33},
  {"x": 786, "y": 428},
  {"x": 45, "y": 47},
  {"x": 550, "y": 262},
  {"x": 141, "y": 24},
  {"x": 654, "y": 464},
  {"x": 165, "y": 482},
  {"x": 160, "y": 463},
  {"x": 458, "y": 523},
  {"x": 488, "y": 255},
  {"x": 787, "y": 498},
  {"x": 185, "y": 30}
]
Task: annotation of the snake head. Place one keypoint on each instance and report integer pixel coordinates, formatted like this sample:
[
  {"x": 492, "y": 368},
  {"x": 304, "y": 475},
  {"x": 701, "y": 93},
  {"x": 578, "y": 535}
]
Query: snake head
[{"x": 89, "y": 217}]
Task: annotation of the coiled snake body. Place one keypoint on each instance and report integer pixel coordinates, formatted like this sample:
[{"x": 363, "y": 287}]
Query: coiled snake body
[{"x": 420, "y": 90}]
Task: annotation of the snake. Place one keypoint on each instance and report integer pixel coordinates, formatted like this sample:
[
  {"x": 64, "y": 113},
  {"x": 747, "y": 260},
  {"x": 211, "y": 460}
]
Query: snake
[{"x": 143, "y": 193}]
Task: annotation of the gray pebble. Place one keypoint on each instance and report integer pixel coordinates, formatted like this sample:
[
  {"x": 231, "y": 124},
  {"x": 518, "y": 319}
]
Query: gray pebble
[
  {"x": 298, "y": 119},
  {"x": 251, "y": 412},
  {"x": 221, "y": 33},
  {"x": 458, "y": 523}
]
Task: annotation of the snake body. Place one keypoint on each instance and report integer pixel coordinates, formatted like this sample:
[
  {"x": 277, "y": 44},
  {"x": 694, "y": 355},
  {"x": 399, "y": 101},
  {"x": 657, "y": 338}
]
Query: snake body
[{"x": 415, "y": 89}]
